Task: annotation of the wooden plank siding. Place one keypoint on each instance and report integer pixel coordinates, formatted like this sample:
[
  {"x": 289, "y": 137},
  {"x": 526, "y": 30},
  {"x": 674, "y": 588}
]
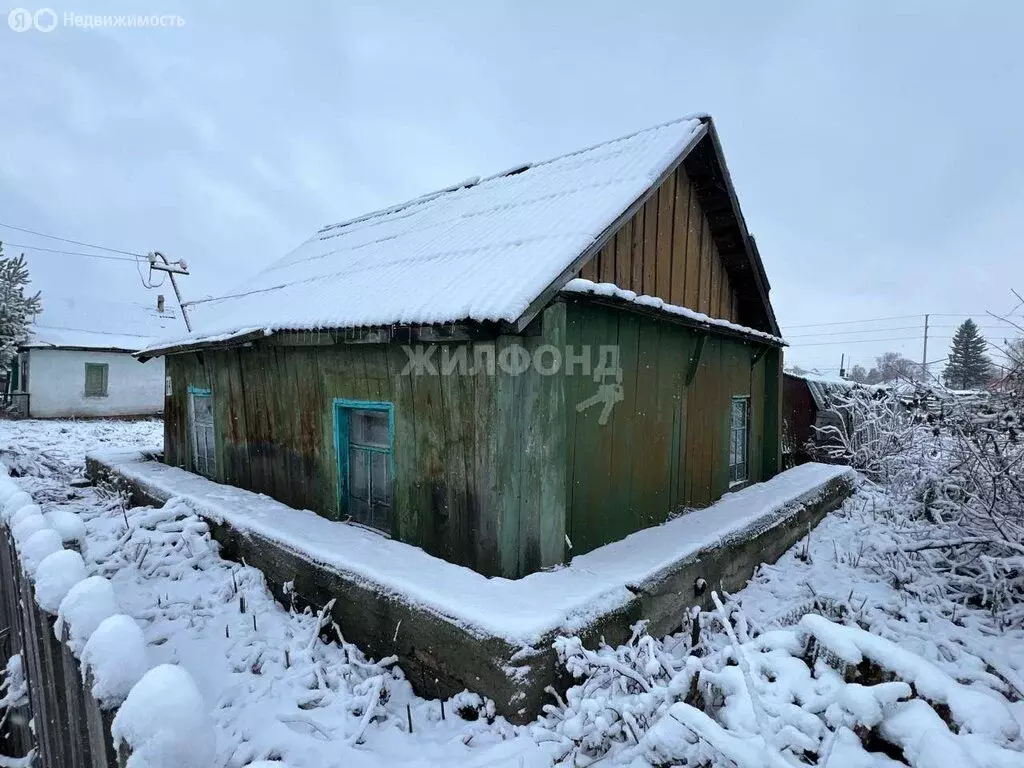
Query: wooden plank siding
[
  {"x": 665, "y": 447},
  {"x": 666, "y": 250},
  {"x": 479, "y": 456},
  {"x": 494, "y": 469}
]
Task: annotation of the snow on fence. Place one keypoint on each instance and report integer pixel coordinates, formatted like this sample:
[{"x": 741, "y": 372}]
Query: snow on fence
[{"x": 77, "y": 676}]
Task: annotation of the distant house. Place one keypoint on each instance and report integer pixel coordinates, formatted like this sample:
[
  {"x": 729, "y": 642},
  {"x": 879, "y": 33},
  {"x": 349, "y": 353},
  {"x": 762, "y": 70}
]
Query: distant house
[
  {"x": 807, "y": 407},
  {"x": 811, "y": 403},
  {"x": 507, "y": 372},
  {"x": 78, "y": 361}
]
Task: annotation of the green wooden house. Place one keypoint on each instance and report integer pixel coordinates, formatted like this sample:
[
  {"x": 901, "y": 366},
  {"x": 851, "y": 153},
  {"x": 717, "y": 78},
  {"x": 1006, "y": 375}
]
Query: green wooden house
[{"x": 507, "y": 372}]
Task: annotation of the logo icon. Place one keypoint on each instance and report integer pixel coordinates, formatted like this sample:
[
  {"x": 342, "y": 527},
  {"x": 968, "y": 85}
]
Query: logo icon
[
  {"x": 45, "y": 19},
  {"x": 20, "y": 20}
]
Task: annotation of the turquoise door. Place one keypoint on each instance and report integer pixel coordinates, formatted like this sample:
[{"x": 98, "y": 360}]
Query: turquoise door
[{"x": 364, "y": 437}]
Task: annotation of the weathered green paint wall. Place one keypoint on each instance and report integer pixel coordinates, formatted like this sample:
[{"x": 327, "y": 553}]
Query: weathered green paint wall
[
  {"x": 494, "y": 468},
  {"x": 479, "y": 467},
  {"x": 772, "y": 459},
  {"x": 665, "y": 446}
]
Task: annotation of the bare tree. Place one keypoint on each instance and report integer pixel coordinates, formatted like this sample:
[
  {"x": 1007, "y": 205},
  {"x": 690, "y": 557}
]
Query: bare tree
[
  {"x": 859, "y": 374},
  {"x": 892, "y": 366},
  {"x": 960, "y": 459}
]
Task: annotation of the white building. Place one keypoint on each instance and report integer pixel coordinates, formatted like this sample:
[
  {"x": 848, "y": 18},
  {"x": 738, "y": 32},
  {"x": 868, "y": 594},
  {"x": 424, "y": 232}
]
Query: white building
[{"x": 79, "y": 360}]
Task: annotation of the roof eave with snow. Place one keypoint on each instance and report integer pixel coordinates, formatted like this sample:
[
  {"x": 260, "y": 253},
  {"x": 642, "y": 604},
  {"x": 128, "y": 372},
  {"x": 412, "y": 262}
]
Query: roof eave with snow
[{"x": 612, "y": 295}]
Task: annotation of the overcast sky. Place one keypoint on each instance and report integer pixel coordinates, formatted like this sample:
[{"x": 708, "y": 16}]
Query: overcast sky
[{"x": 876, "y": 146}]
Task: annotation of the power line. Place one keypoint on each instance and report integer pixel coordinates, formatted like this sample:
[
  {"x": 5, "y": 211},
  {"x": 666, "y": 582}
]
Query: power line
[
  {"x": 69, "y": 240},
  {"x": 20, "y": 246},
  {"x": 856, "y": 341},
  {"x": 980, "y": 325},
  {"x": 976, "y": 314},
  {"x": 880, "y": 319},
  {"x": 852, "y": 322},
  {"x": 847, "y": 333},
  {"x": 865, "y": 341},
  {"x": 860, "y": 331},
  {"x": 168, "y": 267}
]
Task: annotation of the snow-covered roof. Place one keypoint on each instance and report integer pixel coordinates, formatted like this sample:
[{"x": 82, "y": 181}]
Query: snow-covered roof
[
  {"x": 824, "y": 387},
  {"x": 484, "y": 250},
  {"x": 82, "y": 322}
]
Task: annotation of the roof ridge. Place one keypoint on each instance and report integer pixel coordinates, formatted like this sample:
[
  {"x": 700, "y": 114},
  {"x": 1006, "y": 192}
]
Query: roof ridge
[
  {"x": 592, "y": 147},
  {"x": 511, "y": 171}
]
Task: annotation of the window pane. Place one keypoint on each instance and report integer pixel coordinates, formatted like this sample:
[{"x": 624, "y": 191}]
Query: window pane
[
  {"x": 95, "y": 379},
  {"x": 368, "y": 449},
  {"x": 738, "y": 440},
  {"x": 356, "y": 427},
  {"x": 381, "y": 518},
  {"x": 359, "y": 510},
  {"x": 369, "y": 428},
  {"x": 203, "y": 437},
  {"x": 202, "y": 407},
  {"x": 210, "y": 454},
  {"x": 380, "y": 481},
  {"x": 358, "y": 477},
  {"x": 379, "y": 431}
]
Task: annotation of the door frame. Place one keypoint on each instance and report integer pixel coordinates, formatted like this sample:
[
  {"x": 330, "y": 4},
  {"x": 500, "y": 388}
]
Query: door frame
[
  {"x": 341, "y": 407},
  {"x": 192, "y": 393}
]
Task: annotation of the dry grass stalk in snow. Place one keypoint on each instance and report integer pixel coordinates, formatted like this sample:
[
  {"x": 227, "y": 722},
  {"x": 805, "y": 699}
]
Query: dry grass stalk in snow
[{"x": 959, "y": 459}]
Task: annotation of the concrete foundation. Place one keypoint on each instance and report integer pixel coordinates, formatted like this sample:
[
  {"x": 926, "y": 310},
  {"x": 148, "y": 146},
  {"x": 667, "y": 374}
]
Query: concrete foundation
[{"x": 442, "y": 656}]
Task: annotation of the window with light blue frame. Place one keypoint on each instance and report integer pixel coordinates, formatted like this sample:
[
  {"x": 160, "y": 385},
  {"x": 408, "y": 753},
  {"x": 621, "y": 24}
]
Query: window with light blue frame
[
  {"x": 200, "y": 417},
  {"x": 364, "y": 436},
  {"x": 739, "y": 440}
]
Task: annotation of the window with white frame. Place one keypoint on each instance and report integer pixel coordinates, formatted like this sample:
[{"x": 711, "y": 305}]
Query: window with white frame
[
  {"x": 200, "y": 409},
  {"x": 739, "y": 440}
]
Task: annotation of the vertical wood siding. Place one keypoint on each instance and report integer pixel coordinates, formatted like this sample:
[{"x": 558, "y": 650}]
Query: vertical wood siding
[
  {"x": 479, "y": 458},
  {"x": 666, "y": 250},
  {"x": 666, "y": 445},
  {"x": 493, "y": 469}
]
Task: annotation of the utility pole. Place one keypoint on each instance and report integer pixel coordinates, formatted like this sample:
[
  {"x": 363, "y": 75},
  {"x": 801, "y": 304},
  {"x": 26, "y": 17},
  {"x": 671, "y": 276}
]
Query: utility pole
[
  {"x": 842, "y": 366},
  {"x": 924, "y": 353},
  {"x": 172, "y": 268}
]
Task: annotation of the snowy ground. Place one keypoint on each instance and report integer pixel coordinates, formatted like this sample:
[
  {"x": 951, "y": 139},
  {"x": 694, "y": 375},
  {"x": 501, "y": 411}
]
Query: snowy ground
[{"x": 275, "y": 691}]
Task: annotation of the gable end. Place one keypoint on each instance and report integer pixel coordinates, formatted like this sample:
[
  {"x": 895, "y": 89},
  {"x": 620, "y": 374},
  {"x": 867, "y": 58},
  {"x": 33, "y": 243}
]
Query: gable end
[{"x": 685, "y": 241}]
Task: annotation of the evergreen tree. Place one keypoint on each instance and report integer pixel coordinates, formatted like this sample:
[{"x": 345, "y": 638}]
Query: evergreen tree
[
  {"x": 968, "y": 366},
  {"x": 16, "y": 309}
]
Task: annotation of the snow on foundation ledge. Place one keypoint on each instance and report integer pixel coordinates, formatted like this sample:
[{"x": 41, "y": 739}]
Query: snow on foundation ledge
[{"x": 520, "y": 611}]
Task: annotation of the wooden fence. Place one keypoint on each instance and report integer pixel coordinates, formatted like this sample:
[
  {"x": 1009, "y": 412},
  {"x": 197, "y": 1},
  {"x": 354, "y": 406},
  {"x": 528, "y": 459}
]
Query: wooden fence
[{"x": 71, "y": 729}]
